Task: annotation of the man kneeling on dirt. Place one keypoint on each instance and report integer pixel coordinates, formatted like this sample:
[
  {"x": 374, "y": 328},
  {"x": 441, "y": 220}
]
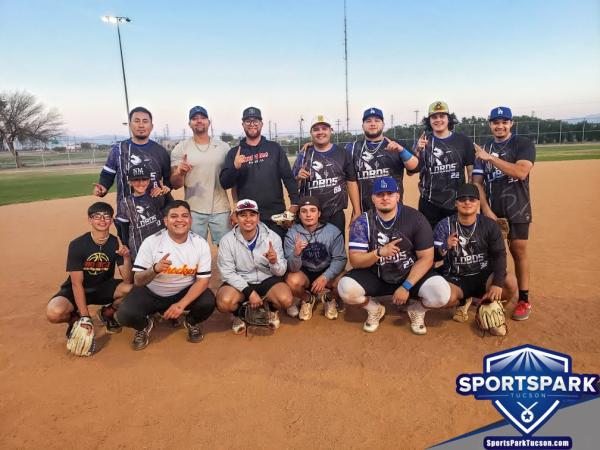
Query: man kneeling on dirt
[
  {"x": 252, "y": 265},
  {"x": 91, "y": 263},
  {"x": 172, "y": 271}
]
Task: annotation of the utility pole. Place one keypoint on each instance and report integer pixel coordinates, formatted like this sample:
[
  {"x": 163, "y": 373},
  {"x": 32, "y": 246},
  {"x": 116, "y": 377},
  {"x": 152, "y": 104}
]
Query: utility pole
[
  {"x": 393, "y": 127},
  {"x": 300, "y": 138},
  {"x": 275, "y": 124},
  {"x": 346, "y": 65},
  {"x": 416, "y": 125},
  {"x": 270, "y": 138},
  {"x": 337, "y": 137}
]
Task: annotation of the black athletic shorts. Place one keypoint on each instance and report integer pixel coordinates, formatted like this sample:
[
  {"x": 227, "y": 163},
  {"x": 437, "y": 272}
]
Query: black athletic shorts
[
  {"x": 471, "y": 285},
  {"x": 433, "y": 213},
  {"x": 376, "y": 287},
  {"x": 312, "y": 276},
  {"x": 98, "y": 295},
  {"x": 263, "y": 287},
  {"x": 518, "y": 231}
]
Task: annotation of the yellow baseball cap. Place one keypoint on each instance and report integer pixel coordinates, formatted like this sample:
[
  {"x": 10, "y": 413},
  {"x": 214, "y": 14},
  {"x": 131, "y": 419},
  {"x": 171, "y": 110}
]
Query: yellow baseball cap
[{"x": 438, "y": 107}]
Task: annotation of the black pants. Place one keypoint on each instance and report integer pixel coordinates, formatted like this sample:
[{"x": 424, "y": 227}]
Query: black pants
[
  {"x": 339, "y": 220},
  {"x": 276, "y": 228},
  {"x": 122, "y": 231},
  {"x": 433, "y": 213},
  {"x": 141, "y": 302}
]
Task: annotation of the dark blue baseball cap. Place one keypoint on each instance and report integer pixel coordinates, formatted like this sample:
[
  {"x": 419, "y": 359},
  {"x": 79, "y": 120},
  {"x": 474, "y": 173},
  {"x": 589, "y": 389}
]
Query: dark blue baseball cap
[
  {"x": 372, "y": 112},
  {"x": 501, "y": 112},
  {"x": 384, "y": 184},
  {"x": 198, "y": 110}
]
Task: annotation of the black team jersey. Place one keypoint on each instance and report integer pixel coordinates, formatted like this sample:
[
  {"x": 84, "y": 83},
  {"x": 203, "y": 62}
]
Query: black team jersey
[
  {"x": 442, "y": 168},
  {"x": 369, "y": 232},
  {"x": 507, "y": 196},
  {"x": 480, "y": 248}
]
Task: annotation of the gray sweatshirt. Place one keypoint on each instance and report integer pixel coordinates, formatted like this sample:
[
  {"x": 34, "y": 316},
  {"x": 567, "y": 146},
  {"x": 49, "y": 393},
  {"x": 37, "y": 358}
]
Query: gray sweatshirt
[{"x": 325, "y": 250}]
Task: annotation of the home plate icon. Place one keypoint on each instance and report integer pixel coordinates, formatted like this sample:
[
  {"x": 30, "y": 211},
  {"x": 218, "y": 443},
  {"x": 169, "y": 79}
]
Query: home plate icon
[{"x": 527, "y": 384}]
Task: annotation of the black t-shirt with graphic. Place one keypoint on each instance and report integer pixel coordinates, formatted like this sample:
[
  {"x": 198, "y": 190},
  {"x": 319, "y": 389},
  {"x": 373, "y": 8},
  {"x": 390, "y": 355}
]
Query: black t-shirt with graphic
[
  {"x": 480, "y": 248},
  {"x": 145, "y": 217},
  {"x": 329, "y": 172},
  {"x": 442, "y": 168},
  {"x": 97, "y": 262},
  {"x": 371, "y": 160},
  {"x": 507, "y": 196},
  {"x": 369, "y": 232}
]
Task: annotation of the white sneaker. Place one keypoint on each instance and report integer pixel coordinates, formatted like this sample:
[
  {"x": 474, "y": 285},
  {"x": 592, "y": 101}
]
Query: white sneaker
[
  {"x": 330, "y": 309},
  {"x": 274, "y": 321},
  {"x": 238, "y": 326},
  {"x": 306, "y": 308},
  {"x": 416, "y": 313},
  {"x": 373, "y": 319},
  {"x": 293, "y": 311}
]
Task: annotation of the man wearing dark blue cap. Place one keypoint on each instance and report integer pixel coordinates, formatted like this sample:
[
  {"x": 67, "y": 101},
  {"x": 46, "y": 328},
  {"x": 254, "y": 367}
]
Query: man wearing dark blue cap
[
  {"x": 391, "y": 250},
  {"x": 502, "y": 174},
  {"x": 378, "y": 156},
  {"x": 196, "y": 164}
]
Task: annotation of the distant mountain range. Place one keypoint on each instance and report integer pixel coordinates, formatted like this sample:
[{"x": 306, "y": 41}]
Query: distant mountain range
[{"x": 592, "y": 118}]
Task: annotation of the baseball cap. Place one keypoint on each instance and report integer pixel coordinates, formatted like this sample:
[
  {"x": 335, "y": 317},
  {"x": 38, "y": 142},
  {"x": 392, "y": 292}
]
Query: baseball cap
[
  {"x": 320, "y": 118},
  {"x": 438, "y": 107},
  {"x": 198, "y": 110},
  {"x": 501, "y": 112},
  {"x": 372, "y": 112},
  {"x": 141, "y": 172},
  {"x": 467, "y": 190},
  {"x": 251, "y": 113},
  {"x": 384, "y": 184},
  {"x": 246, "y": 205},
  {"x": 310, "y": 201}
]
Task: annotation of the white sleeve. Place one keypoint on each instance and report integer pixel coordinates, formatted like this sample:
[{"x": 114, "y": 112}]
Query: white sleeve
[
  {"x": 144, "y": 259},
  {"x": 205, "y": 260}
]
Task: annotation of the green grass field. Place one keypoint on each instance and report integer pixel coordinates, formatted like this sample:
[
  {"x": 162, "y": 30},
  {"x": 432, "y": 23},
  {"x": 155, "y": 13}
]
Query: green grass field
[{"x": 31, "y": 186}]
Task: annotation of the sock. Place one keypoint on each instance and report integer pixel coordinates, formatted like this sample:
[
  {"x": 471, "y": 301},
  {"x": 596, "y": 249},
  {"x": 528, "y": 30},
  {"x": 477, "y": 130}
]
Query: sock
[
  {"x": 372, "y": 306},
  {"x": 524, "y": 296}
]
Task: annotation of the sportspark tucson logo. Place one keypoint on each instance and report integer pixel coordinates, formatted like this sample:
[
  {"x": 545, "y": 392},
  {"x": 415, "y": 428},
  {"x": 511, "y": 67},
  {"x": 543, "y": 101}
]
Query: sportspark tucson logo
[{"x": 526, "y": 385}]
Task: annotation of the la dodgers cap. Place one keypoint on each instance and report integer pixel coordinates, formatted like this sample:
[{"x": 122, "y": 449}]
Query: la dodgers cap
[
  {"x": 251, "y": 113},
  {"x": 310, "y": 201},
  {"x": 467, "y": 190},
  {"x": 501, "y": 112},
  {"x": 198, "y": 110},
  {"x": 372, "y": 112},
  {"x": 246, "y": 205},
  {"x": 438, "y": 107},
  {"x": 385, "y": 184}
]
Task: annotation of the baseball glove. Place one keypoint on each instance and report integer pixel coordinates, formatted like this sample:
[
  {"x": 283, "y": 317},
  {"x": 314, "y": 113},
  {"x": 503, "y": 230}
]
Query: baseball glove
[
  {"x": 504, "y": 227},
  {"x": 82, "y": 341},
  {"x": 490, "y": 316},
  {"x": 255, "y": 317},
  {"x": 285, "y": 218}
]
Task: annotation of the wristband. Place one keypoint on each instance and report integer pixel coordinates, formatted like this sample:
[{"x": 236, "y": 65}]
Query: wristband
[
  {"x": 407, "y": 285},
  {"x": 153, "y": 269},
  {"x": 405, "y": 155}
]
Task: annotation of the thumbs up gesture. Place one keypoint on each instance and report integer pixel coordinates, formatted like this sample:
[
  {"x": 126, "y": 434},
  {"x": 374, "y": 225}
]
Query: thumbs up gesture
[
  {"x": 271, "y": 254},
  {"x": 184, "y": 166},
  {"x": 163, "y": 264},
  {"x": 239, "y": 158}
]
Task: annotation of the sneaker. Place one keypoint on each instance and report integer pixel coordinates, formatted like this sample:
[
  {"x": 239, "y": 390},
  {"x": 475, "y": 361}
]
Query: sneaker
[
  {"x": 340, "y": 305},
  {"x": 194, "y": 332},
  {"x": 141, "y": 339},
  {"x": 522, "y": 311},
  {"x": 306, "y": 308},
  {"x": 238, "y": 326},
  {"x": 416, "y": 313},
  {"x": 293, "y": 311},
  {"x": 106, "y": 314},
  {"x": 461, "y": 313},
  {"x": 274, "y": 321},
  {"x": 330, "y": 309},
  {"x": 373, "y": 319}
]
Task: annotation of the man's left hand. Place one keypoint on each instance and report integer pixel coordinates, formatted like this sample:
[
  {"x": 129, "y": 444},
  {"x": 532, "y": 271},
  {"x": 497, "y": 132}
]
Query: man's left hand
[
  {"x": 494, "y": 293},
  {"x": 174, "y": 311},
  {"x": 319, "y": 284},
  {"x": 400, "y": 296}
]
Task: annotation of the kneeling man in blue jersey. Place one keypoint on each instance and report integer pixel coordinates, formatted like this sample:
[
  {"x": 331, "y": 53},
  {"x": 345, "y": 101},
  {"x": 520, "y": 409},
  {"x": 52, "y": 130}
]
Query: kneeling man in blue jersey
[
  {"x": 391, "y": 250},
  {"x": 172, "y": 271},
  {"x": 252, "y": 266}
]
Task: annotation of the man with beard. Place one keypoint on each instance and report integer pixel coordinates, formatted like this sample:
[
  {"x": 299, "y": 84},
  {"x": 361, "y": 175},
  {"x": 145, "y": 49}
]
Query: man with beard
[
  {"x": 443, "y": 157},
  {"x": 391, "y": 250},
  {"x": 132, "y": 152},
  {"x": 325, "y": 171},
  {"x": 255, "y": 170},
  {"x": 196, "y": 164},
  {"x": 502, "y": 175},
  {"x": 377, "y": 156}
]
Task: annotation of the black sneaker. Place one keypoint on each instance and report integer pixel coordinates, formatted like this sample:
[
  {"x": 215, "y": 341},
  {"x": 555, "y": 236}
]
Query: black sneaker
[
  {"x": 141, "y": 339},
  {"x": 106, "y": 314},
  {"x": 195, "y": 334}
]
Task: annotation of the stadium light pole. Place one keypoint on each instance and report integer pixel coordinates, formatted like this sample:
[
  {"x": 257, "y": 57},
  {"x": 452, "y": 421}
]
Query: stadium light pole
[{"x": 117, "y": 20}]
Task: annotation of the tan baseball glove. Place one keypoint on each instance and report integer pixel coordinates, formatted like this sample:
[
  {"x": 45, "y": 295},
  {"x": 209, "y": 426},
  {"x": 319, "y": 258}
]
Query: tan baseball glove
[
  {"x": 490, "y": 317},
  {"x": 82, "y": 341}
]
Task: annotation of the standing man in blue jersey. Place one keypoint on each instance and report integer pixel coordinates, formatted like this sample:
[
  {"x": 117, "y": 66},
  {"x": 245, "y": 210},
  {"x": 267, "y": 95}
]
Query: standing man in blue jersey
[
  {"x": 137, "y": 150},
  {"x": 377, "y": 156},
  {"x": 444, "y": 156},
  {"x": 502, "y": 175},
  {"x": 255, "y": 170}
]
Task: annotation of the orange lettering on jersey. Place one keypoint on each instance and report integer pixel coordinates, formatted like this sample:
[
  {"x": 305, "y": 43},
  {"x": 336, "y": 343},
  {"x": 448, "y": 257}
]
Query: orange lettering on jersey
[{"x": 183, "y": 270}]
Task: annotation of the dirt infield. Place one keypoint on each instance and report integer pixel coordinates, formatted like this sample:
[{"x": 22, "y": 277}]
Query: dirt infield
[{"x": 318, "y": 384}]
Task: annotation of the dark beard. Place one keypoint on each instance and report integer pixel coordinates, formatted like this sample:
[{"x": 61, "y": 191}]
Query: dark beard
[
  {"x": 253, "y": 135},
  {"x": 141, "y": 138},
  {"x": 371, "y": 136}
]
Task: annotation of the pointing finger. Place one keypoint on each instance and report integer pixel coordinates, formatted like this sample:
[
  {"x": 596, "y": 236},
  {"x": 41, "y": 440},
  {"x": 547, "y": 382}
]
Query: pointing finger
[
  {"x": 164, "y": 258},
  {"x": 238, "y": 151},
  {"x": 185, "y": 158}
]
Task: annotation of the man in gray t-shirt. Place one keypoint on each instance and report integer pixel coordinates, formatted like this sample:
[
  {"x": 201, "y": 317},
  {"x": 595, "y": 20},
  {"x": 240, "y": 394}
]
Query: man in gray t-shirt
[{"x": 196, "y": 163}]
